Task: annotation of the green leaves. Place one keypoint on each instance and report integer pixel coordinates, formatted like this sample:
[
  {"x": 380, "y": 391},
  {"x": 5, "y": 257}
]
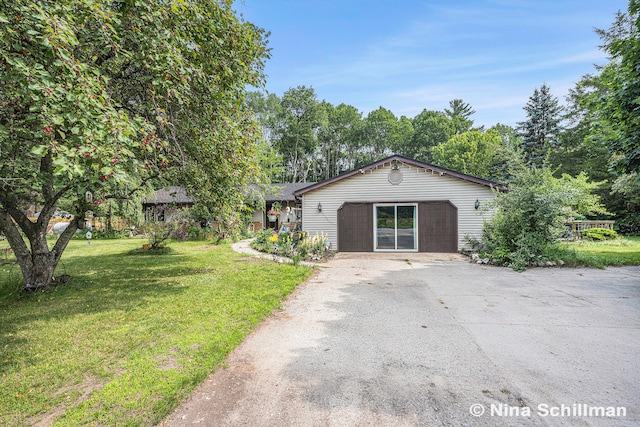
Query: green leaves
[
  {"x": 471, "y": 152},
  {"x": 431, "y": 128},
  {"x": 40, "y": 150},
  {"x": 100, "y": 95},
  {"x": 616, "y": 102},
  {"x": 541, "y": 129},
  {"x": 530, "y": 217}
]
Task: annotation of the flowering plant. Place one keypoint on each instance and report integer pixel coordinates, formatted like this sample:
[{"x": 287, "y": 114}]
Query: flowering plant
[{"x": 276, "y": 209}]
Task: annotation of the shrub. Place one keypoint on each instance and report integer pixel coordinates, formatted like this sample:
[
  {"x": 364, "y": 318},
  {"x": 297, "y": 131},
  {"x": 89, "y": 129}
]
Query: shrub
[
  {"x": 529, "y": 218},
  {"x": 194, "y": 232},
  {"x": 629, "y": 224},
  {"x": 262, "y": 241},
  {"x": 199, "y": 233},
  {"x": 179, "y": 231},
  {"x": 599, "y": 234},
  {"x": 159, "y": 233}
]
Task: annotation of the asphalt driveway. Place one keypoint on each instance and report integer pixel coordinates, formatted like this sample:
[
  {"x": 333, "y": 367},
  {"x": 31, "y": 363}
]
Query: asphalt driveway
[{"x": 428, "y": 340}]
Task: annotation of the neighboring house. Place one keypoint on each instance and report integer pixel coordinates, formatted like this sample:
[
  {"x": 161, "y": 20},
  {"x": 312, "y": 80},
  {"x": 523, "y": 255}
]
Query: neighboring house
[
  {"x": 279, "y": 194},
  {"x": 397, "y": 204},
  {"x": 164, "y": 204}
]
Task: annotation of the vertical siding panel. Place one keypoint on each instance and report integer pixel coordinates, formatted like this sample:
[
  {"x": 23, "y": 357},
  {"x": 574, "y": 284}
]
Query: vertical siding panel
[
  {"x": 438, "y": 227},
  {"x": 355, "y": 227}
]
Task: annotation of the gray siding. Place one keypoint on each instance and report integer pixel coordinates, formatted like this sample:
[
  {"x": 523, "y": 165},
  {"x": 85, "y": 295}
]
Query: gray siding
[{"x": 418, "y": 184}]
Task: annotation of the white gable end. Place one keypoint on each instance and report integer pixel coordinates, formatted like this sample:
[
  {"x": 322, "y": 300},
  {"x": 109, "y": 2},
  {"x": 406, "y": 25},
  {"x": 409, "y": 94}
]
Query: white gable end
[{"x": 408, "y": 184}]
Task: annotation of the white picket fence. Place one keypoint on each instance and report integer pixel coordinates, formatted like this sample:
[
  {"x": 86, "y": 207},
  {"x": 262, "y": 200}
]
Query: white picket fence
[{"x": 578, "y": 227}]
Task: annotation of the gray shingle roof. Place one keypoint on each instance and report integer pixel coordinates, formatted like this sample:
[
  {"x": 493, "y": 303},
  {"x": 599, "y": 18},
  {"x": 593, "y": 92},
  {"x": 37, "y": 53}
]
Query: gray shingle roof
[
  {"x": 172, "y": 194},
  {"x": 273, "y": 193},
  {"x": 284, "y": 192}
]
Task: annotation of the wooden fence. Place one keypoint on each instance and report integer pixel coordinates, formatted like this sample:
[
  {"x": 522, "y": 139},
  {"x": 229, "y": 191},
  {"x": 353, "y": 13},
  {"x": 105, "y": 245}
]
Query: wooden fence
[
  {"x": 117, "y": 223},
  {"x": 578, "y": 227},
  {"x": 98, "y": 223}
]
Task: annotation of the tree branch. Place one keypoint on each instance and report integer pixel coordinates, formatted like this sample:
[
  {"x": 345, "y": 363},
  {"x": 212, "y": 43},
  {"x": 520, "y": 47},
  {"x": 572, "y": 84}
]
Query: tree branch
[
  {"x": 128, "y": 195},
  {"x": 51, "y": 196},
  {"x": 65, "y": 237},
  {"x": 17, "y": 243},
  {"x": 9, "y": 208}
]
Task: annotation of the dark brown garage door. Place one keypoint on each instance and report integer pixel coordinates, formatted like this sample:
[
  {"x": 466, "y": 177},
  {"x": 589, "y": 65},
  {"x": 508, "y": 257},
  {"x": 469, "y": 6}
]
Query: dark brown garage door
[
  {"x": 437, "y": 227},
  {"x": 355, "y": 227}
]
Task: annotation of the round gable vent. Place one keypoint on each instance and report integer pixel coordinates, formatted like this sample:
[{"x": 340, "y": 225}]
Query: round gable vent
[{"x": 395, "y": 176}]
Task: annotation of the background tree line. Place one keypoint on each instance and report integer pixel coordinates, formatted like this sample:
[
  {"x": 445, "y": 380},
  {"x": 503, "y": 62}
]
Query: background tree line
[
  {"x": 596, "y": 132},
  {"x": 310, "y": 140}
]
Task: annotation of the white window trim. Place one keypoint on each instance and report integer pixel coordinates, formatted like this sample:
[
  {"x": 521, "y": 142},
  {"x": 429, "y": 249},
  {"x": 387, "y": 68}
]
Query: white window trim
[{"x": 415, "y": 226}]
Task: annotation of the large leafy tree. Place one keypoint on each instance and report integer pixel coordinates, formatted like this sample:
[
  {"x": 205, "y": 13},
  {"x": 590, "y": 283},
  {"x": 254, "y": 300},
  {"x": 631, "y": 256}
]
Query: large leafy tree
[
  {"x": 471, "y": 152},
  {"x": 379, "y": 134},
  {"x": 338, "y": 140},
  {"x": 266, "y": 108},
  {"x": 582, "y": 149},
  {"x": 98, "y": 98},
  {"x": 617, "y": 106},
  {"x": 508, "y": 156},
  {"x": 430, "y": 128},
  {"x": 295, "y": 133},
  {"x": 578, "y": 149},
  {"x": 599, "y": 138},
  {"x": 540, "y": 130}
]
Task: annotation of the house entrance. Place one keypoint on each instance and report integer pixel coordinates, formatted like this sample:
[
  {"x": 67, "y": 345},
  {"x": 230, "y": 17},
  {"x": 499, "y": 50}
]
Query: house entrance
[{"x": 395, "y": 227}]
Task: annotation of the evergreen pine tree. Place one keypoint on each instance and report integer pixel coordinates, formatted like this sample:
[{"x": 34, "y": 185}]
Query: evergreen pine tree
[
  {"x": 459, "y": 114},
  {"x": 541, "y": 129}
]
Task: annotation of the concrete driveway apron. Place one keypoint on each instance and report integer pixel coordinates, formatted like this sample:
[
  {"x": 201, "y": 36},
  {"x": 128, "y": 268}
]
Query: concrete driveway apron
[{"x": 432, "y": 340}]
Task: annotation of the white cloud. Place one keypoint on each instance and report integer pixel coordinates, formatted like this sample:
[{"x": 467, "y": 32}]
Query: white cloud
[{"x": 492, "y": 54}]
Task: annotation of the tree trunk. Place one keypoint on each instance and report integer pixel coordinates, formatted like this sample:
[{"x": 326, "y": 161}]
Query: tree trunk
[
  {"x": 37, "y": 263},
  {"x": 38, "y": 272},
  {"x": 108, "y": 226}
]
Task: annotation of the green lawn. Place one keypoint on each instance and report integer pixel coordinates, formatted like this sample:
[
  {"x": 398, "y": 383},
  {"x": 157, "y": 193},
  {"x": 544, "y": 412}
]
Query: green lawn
[
  {"x": 601, "y": 254},
  {"x": 131, "y": 335}
]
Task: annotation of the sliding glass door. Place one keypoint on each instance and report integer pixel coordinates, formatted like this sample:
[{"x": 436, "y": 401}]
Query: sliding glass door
[
  {"x": 395, "y": 227},
  {"x": 385, "y": 221}
]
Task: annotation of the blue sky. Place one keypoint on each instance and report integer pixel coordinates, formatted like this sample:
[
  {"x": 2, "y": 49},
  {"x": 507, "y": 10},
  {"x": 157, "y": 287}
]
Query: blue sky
[{"x": 409, "y": 55}]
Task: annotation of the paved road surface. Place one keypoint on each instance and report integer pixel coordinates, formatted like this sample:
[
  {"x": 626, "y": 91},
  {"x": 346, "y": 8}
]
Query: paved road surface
[{"x": 418, "y": 339}]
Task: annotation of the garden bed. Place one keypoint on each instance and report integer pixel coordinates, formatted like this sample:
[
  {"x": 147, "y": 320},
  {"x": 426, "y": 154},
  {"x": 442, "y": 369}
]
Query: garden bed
[{"x": 298, "y": 246}]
